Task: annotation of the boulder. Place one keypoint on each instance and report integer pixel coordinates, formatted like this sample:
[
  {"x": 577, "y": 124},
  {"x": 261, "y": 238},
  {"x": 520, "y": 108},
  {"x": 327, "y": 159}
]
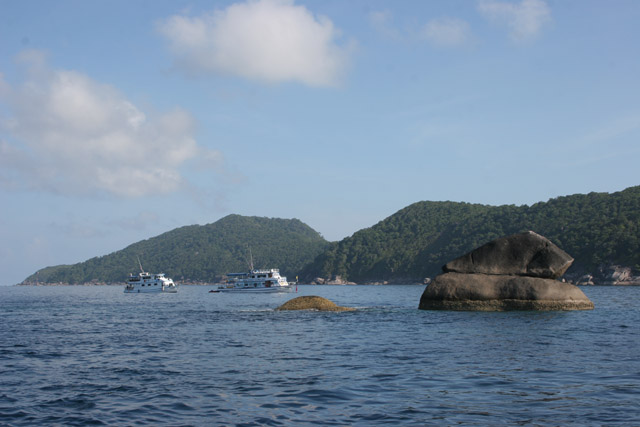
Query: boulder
[
  {"x": 312, "y": 303},
  {"x": 484, "y": 292},
  {"x": 524, "y": 254},
  {"x": 617, "y": 275},
  {"x": 586, "y": 279},
  {"x": 516, "y": 272}
]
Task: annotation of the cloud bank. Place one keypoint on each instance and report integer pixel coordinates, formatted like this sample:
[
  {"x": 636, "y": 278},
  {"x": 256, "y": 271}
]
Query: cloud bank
[
  {"x": 524, "y": 20},
  {"x": 69, "y": 134},
  {"x": 266, "y": 40}
]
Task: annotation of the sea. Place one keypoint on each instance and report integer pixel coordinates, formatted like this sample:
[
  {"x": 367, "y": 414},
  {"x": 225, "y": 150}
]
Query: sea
[{"x": 93, "y": 355}]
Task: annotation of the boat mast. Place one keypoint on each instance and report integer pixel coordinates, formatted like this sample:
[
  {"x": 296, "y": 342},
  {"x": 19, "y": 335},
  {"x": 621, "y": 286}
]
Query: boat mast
[
  {"x": 250, "y": 259},
  {"x": 140, "y": 264}
]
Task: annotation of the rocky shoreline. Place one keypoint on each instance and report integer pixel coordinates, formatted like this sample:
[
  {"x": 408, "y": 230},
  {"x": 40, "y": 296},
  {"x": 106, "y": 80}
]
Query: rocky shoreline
[
  {"x": 610, "y": 275},
  {"x": 338, "y": 280},
  {"x": 122, "y": 283}
]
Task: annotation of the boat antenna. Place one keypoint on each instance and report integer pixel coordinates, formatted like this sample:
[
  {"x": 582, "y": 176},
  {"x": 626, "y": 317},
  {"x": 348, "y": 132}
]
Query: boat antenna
[
  {"x": 140, "y": 264},
  {"x": 250, "y": 259}
]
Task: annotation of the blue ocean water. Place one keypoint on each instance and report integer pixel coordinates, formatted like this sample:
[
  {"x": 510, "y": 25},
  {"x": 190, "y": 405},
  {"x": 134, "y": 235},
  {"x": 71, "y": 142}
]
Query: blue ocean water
[{"x": 97, "y": 356}]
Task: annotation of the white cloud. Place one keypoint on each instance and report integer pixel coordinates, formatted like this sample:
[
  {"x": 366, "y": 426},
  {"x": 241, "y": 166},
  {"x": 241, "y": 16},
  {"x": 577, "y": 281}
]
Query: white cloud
[
  {"x": 381, "y": 21},
  {"x": 524, "y": 19},
  {"x": 447, "y": 32},
  {"x": 266, "y": 40},
  {"x": 442, "y": 32},
  {"x": 70, "y": 134}
]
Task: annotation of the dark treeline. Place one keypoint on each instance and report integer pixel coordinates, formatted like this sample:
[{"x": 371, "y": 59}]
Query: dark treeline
[
  {"x": 596, "y": 229},
  {"x": 202, "y": 252}
]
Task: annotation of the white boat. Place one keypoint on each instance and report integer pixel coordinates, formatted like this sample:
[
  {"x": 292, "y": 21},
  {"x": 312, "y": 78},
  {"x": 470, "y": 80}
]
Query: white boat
[
  {"x": 256, "y": 280},
  {"x": 149, "y": 283}
]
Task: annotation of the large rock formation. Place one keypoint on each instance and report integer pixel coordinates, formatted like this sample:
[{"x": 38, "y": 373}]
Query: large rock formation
[
  {"x": 524, "y": 254},
  {"x": 312, "y": 303},
  {"x": 517, "y": 272}
]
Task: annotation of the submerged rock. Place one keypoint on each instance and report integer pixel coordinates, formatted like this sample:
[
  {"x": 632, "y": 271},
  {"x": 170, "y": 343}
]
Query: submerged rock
[
  {"x": 312, "y": 303},
  {"x": 511, "y": 273}
]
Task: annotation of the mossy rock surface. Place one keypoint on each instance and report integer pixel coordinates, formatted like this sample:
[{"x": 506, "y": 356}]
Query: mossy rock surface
[{"x": 312, "y": 303}]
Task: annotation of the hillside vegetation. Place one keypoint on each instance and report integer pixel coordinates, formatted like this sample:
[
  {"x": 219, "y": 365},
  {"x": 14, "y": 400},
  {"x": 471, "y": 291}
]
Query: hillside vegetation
[
  {"x": 201, "y": 252},
  {"x": 596, "y": 229}
]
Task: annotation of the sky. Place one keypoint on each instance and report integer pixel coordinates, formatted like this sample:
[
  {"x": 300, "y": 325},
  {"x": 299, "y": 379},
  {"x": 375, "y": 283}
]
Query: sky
[{"x": 121, "y": 120}]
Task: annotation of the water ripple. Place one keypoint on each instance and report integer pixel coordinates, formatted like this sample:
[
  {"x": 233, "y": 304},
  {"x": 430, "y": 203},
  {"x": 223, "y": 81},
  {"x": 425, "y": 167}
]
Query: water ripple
[{"x": 94, "y": 356}]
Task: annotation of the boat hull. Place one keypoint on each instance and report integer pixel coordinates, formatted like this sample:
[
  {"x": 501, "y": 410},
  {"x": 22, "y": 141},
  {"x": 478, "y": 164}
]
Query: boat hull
[
  {"x": 151, "y": 290},
  {"x": 248, "y": 290}
]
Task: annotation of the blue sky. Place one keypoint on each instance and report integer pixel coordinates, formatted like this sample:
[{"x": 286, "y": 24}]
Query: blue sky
[{"x": 120, "y": 120}]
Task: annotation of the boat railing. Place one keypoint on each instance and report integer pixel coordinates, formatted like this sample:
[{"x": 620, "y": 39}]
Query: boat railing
[{"x": 265, "y": 270}]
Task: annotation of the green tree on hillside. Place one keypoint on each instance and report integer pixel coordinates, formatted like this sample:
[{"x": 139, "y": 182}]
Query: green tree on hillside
[{"x": 413, "y": 243}]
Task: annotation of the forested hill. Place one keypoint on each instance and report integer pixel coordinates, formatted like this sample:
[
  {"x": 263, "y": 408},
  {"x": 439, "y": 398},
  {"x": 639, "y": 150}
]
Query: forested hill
[
  {"x": 596, "y": 229},
  {"x": 201, "y": 252}
]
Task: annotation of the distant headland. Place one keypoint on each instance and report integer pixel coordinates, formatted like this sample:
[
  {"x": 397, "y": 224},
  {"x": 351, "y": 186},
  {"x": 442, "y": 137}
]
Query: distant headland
[{"x": 600, "y": 230}]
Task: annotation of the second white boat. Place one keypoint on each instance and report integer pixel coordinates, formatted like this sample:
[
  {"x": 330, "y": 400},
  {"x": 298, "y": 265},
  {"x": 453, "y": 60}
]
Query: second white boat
[{"x": 260, "y": 280}]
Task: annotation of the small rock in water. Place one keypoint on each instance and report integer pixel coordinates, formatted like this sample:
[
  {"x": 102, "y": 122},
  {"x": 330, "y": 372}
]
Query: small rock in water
[{"x": 312, "y": 303}]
